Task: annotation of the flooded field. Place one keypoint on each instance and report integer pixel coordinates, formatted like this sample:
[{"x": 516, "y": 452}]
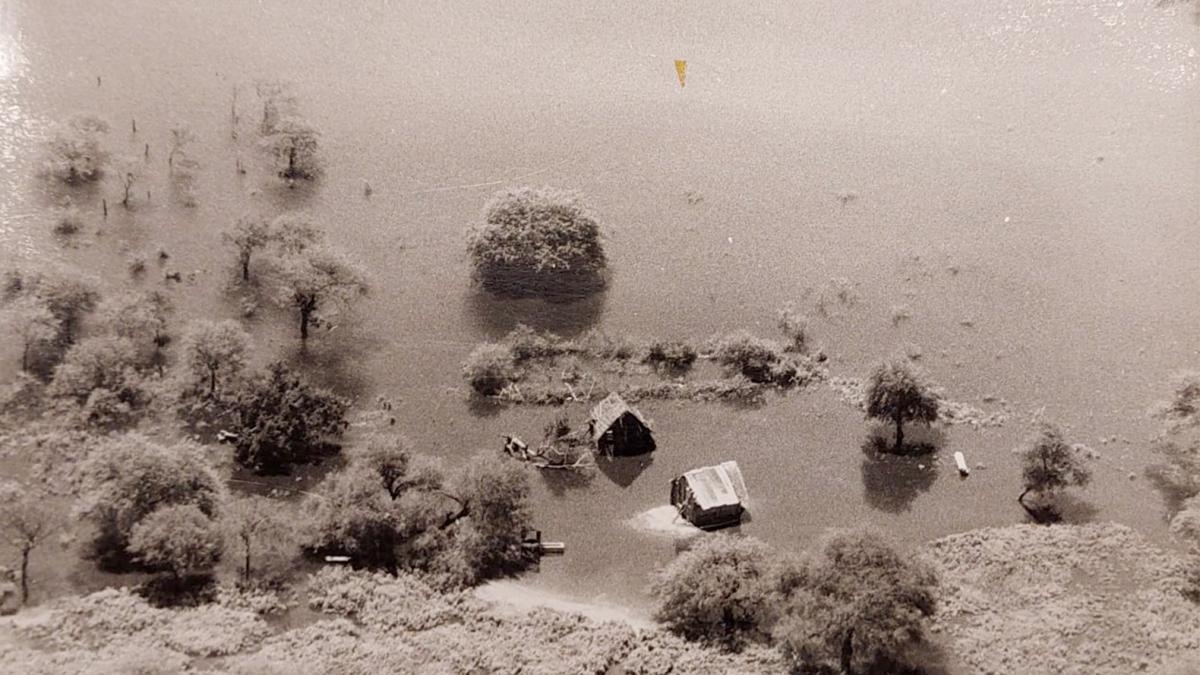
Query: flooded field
[{"x": 1021, "y": 177}]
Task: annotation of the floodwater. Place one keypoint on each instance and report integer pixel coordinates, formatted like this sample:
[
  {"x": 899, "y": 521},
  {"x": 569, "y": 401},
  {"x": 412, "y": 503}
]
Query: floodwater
[{"x": 1022, "y": 176}]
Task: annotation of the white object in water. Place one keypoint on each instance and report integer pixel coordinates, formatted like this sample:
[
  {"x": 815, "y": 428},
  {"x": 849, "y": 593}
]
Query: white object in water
[{"x": 961, "y": 461}]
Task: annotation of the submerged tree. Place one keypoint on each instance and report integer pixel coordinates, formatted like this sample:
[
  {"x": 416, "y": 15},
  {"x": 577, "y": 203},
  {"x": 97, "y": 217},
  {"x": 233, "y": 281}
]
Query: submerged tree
[
  {"x": 34, "y": 326},
  {"x": 249, "y": 234},
  {"x": 794, "y": 327},
  {"x": 101, "y": 375},
  {"x": 214, "y": 351},
  {"x": 293, "y": 144},
  {"x": 537, "y": 241},
  {"x": 317, "y": 281},
  {"x": 858, "y": 607},
  {"x": 1050, "y": 465},
  {"x": 490, "y": 368},
  {"x": 140, "y": 317},
  {"x": 280, "y": 419},
  {"x": 898, "y": 392},
  {"x": 389, "y": 510},
  {"x": 73, "y": 153},
  {"x": 27, "y": 519},
  {"x": 69, "y": 297}
]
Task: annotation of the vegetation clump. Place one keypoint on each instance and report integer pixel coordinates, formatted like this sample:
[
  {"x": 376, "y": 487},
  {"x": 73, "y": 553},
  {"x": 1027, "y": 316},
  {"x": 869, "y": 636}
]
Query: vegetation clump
[
  {"x": 758, "y": 360},
  {"x": 673, "y": 355},
  {"x": 537, "y": 241},
  {"x": 74, "y": 153},
  {"x": 490, "y": 368},
  {"x": 280, "y": 419}
]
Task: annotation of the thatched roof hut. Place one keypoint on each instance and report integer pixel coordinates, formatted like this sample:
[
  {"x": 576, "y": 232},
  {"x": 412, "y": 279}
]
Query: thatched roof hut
[{"x": 618, "y": 428}]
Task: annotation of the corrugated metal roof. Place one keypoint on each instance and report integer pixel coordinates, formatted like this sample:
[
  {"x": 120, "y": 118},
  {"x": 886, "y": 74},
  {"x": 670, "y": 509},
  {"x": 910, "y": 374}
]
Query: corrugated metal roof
[{"x": 714, "y": 486}]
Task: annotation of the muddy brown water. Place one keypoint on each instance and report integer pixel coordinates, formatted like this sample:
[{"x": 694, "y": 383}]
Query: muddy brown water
[{"x": 1026, "y": 168}]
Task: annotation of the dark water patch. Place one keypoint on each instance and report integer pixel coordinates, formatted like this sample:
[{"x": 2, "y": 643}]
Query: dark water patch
[
  {"x": 891, "y": 483},
  {"x": 623, "y": 471},
  {"x": 496, "y": 316}
]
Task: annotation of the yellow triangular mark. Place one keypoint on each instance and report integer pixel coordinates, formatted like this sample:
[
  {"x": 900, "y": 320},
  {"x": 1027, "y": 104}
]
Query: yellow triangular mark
[{"x": 681, "y": 70}]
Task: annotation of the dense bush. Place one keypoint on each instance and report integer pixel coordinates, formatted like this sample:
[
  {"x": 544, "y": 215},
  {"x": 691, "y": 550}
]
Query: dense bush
[
  {"x": 280, "y": 419},
  {"x": 758, "y": 360},
  {"x": 537, "y": 241},
  {"x": 721, "y": 590},
  {"x": 100, "y": 374},
  {"x": 180, "y": 539},
  {"x": 673, "y": 355},
  {"x": 490, "y": 368},
  {"x": 129, "y": 477}
]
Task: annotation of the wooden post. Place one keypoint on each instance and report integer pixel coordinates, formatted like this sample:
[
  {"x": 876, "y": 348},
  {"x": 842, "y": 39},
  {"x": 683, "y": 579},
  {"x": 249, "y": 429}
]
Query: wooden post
[
  {"x": 133, "y": 123},
  {"x": 105, "y": 202}
]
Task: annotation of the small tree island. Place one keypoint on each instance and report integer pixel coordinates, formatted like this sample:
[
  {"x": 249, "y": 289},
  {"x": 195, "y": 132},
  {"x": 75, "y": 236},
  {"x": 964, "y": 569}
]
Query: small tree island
[{"x": 537, "y": 242}]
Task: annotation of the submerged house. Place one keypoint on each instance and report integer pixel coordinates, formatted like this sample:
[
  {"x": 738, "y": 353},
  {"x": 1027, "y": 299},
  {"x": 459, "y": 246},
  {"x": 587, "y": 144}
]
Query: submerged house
[
  {"x": 711, "y": 497},
  {"x": 617, "y": 428}
]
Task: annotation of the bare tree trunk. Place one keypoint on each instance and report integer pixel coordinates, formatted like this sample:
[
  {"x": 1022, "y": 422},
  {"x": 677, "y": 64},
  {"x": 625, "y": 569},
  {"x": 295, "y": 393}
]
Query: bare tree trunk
[
  {"x": 25, "y": 358},
  {"x": 304, "y": 319},
  {"x": 212, "y": 382},
  {"x": 848, "y": 652},
  {"x": 25, "y": 575},
  {"x": 899, "y": 433}
]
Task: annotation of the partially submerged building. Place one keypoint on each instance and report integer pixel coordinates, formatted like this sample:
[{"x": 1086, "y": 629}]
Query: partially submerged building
[
  {"x": 712, "y": 496},
  {"x": 617, "y": 428}
]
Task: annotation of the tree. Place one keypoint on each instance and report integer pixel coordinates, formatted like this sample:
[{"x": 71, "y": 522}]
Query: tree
[
  {"x": 535, "y": 240},
  {"x": 294, "y": 232},
  {"x": 1050, "y": 464},
  {"x": 68, "y": 296},
  {"x": 280, "y": 419},
  {"x": 27, "y": 520},
  {"x": 490, "y": 368},
  {"x": 859, "y": 605},
  {"x": 33, "y": 325},
  {"x": 1183, "y": 410},
  {"x": 73, "y": 153},
  {"x": 898, "y": 392},
  {"x": 179, "y": 538},
  {"x": 389, "y": 509},
  {"x": 261, "y": 533},
  {"x": 247, "y": 235},
  {"x": 317, "y": 281},
  {"x": 141, "y": 318},
  {"x": 101, "y": 375},
  {"x": 211, "y": 348},
  {"x": 293, "y": 144},
  {"x": 794, "y": 327},
  {"x": 132, "y": 171},
  {"x": 492, "y": 495},
  {"x": 129, "y": 476},
  {"x": 720, "y": 590}
]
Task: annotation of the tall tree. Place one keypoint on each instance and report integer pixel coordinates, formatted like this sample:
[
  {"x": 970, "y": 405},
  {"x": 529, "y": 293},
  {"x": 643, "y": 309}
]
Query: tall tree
[
  {"x": 259, "y": 531},
  {"x": 214, "y": 351},
  {"x": 27, "y": 520},
  {"x": 249, "y": 234},
  {"x": 32, "y": 323},
  {"x": 317, "y": 281},
  {"x": 898, "y": 392},
  {"x": 281, "y": 419},
  {"x": 858, "y": 607}
]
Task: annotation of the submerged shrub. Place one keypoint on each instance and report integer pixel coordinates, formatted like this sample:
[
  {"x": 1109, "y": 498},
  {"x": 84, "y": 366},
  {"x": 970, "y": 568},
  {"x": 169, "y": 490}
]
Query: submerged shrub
[
  {"x": 74, "y": 154},
  {"x": 757, "y": 359},
  {"x": 490, "y": 368},
  {"x": 537, "y": 241},
  {"x": 673, "y": 355},
  {"x": 68, "y": 223}
]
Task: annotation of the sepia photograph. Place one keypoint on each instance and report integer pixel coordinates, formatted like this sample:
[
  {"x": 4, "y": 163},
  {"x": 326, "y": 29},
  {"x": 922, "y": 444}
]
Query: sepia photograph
[{"x": 642, "y": 337}]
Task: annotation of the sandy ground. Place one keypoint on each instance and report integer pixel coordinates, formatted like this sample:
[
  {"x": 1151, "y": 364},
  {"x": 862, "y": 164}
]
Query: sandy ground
[{"x": 516, "y": 598}]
